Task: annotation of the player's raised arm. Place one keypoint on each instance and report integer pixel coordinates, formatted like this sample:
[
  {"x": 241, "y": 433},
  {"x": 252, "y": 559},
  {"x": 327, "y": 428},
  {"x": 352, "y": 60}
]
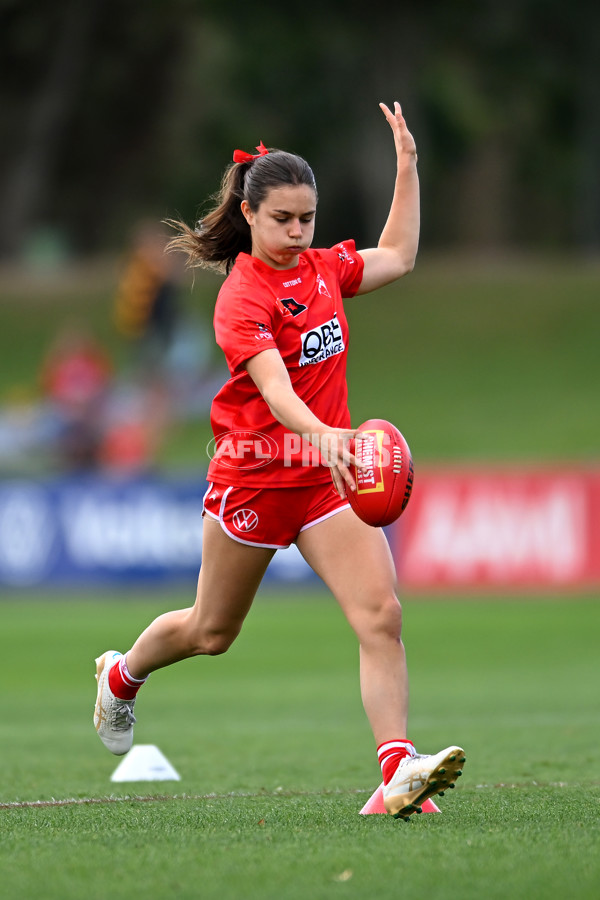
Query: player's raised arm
[{"x": 396, "y": 251}]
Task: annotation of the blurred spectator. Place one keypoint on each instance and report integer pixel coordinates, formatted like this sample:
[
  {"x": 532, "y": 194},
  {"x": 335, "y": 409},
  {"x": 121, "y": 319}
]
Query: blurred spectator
[
  {"x": 137, "y": 416},
  {"x": 75, "y": 380},
  {"x": 146, "y": 305},
  {"x": 172, "y": 347}
]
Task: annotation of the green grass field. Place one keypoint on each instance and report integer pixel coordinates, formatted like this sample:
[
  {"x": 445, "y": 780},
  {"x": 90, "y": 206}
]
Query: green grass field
[{"x": 276, "y": 757}]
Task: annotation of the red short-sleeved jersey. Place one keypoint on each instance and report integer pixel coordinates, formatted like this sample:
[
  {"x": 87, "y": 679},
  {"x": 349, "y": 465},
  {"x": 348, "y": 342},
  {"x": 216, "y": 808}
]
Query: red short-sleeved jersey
[{"x": 300, "y": 313}]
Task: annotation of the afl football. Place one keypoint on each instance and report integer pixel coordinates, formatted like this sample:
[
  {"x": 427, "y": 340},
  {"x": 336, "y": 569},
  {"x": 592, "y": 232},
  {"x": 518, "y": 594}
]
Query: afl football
[{"x": 384, "y": 485}]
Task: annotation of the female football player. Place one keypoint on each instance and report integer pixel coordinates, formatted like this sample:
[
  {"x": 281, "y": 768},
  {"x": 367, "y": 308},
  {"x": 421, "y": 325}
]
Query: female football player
[{"x": 282, "y": 430}]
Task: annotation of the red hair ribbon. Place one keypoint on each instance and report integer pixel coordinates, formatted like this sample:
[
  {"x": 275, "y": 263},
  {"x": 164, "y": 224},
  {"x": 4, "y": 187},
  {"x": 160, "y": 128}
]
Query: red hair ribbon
[{"x": 240, "y": 156}]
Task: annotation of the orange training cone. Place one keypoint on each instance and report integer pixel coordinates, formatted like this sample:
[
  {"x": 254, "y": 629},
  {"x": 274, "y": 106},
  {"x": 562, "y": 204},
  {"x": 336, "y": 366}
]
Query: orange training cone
[{"x": 375, "y": 804}]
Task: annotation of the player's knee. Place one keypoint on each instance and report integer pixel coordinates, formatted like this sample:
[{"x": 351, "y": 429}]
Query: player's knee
[
  {"x": 384, "y": 620},
  {"x": 378, "y": 621},
  {"x": 391, "y": 616},
  {"x": 214, "y": 643}
]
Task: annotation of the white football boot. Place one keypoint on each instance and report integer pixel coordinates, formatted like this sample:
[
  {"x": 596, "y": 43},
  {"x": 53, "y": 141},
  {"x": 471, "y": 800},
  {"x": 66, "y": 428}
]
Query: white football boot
[
  {"x": 419, "y": 777},
  {"x": 113, "y": 718}
]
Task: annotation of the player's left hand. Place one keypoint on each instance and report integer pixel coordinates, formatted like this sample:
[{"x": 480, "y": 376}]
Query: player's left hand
[{"x": 405, "y": 142}]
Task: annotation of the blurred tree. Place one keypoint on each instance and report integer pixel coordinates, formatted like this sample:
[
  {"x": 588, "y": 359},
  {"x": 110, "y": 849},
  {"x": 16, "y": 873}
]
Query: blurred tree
[
  {"x": 586, "y": 82},
  {"x": 79, "y": 146},
  {"x": 61, "y": 38},
  {"x": 113, "y": 111}
]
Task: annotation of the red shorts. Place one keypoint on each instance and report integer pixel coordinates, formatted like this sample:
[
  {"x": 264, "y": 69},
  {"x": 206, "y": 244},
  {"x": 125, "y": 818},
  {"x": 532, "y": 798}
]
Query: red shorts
[{"x": 270, "y": 517}]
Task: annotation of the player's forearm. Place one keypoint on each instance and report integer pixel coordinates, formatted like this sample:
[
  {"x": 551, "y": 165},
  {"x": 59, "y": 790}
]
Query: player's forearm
[
  {"x": 401, "y": 231},
  {"x": 291, "y": 412}
]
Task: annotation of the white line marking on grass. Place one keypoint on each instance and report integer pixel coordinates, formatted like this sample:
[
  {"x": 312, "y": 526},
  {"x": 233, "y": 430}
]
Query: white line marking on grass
[
  {"x": 165, "y": 798},
  {"x": 241, "y": 795}
]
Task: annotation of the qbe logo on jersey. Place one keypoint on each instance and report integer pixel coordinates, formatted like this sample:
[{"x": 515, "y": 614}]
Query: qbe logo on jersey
[{"x": 321, "y": 342}]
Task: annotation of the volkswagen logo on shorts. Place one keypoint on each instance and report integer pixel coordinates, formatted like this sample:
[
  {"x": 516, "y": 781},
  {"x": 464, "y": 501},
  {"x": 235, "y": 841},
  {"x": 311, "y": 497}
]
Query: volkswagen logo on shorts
[
  {"x": 245, "y": 520},
  {"x": 246, "y": 449}
]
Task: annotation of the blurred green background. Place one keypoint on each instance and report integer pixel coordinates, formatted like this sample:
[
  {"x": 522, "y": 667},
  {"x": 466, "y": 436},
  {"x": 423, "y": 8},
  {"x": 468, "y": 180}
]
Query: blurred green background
[
  {"x": 116, "y": 116},
  {"x": 474, "y": 362}
]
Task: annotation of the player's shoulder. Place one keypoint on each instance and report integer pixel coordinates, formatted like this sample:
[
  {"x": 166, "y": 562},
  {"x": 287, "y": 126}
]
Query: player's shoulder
[
  {"x": 342, "y": 251},
  {"x": 317, "y": 257},
  {"x": 314, "y": 254},
  {"x": 346, "y": 251},
  {"x": 241, "y": 273},
  {"x": 242, "y": 283}
]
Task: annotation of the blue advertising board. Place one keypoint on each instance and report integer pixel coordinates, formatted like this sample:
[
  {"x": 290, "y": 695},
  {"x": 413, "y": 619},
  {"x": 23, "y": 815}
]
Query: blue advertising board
[{"x": 93, "y": 530}]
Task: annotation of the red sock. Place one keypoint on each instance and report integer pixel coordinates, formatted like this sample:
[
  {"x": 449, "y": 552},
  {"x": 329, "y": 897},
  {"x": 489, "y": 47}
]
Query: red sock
[
  {"x": 122, "y": 683},
  {"x": 390, "y": 753}
]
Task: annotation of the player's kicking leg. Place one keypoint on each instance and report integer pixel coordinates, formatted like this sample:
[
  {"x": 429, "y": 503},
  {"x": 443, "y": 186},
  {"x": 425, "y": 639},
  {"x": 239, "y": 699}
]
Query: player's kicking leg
[
  {"x": 355, "y": 562},
  {"x": 229, "y": 578}
]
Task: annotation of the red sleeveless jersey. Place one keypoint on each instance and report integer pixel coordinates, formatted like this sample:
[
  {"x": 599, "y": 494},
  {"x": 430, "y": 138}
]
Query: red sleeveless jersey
[{"x": 300, "y": 313}]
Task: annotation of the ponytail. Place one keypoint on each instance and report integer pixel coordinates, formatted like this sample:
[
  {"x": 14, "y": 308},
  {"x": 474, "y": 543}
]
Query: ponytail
[{"x": 224, "y": 232}]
